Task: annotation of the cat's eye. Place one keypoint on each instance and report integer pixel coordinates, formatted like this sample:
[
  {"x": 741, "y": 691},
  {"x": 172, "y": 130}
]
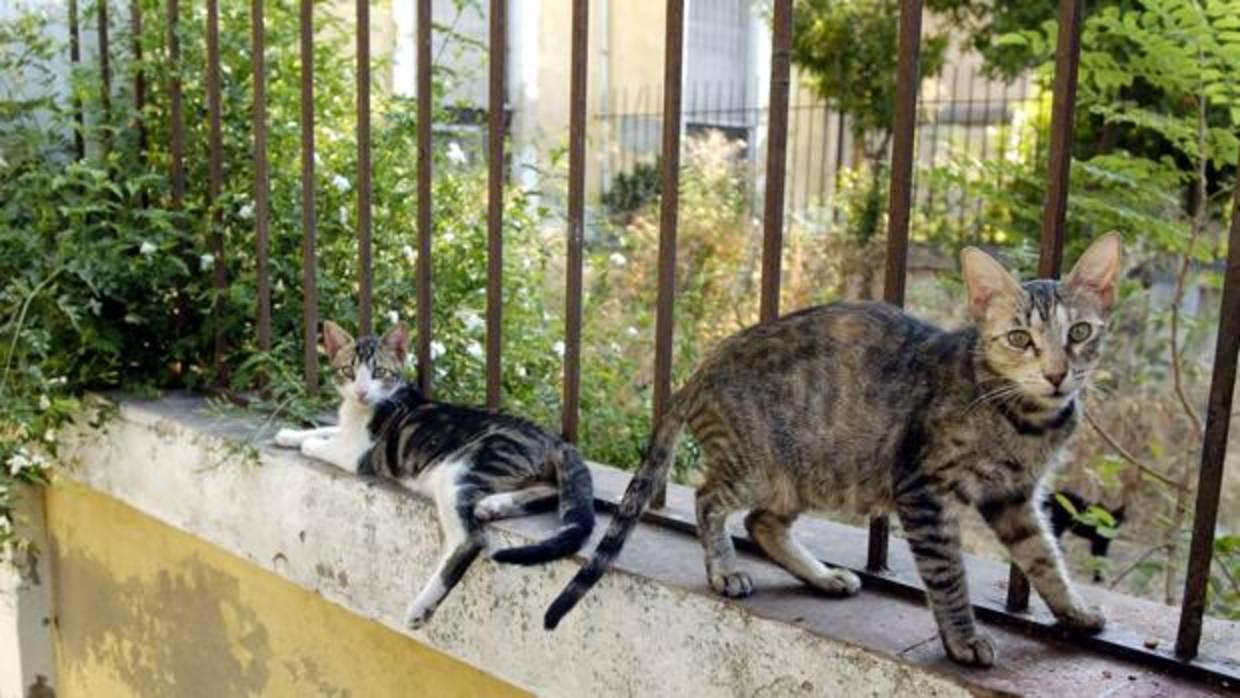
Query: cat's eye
[
  {"x": 1019, "y": 339},
  {"x": 1080, "y": 332}
]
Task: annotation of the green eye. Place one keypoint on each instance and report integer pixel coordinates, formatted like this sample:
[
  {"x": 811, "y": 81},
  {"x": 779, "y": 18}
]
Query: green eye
[
  {"x": 1080, "y": 332},
  {"x": 1019, "y": 339}
]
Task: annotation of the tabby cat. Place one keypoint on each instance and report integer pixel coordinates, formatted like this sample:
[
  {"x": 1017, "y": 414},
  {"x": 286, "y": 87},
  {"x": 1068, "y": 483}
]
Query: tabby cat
[
  {"x": 860, "y": 406},
  {"x": 477, "y": 465}
]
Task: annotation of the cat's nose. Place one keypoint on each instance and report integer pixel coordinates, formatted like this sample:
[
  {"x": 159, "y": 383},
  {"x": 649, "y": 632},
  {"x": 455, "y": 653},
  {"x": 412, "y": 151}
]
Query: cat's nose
[{"x": 1055, "y": 377}]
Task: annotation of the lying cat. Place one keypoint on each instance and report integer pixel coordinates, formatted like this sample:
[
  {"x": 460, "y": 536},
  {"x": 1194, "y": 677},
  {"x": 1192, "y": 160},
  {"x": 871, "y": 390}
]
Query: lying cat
[
  {"x": 1064, "y": 521},
  {"x": 477, "y": 465},
  {"x": 860, "y": 406}
]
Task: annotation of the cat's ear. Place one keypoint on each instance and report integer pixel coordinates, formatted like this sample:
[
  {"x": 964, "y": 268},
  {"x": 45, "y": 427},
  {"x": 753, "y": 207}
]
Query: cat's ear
[
  {"x": 985, "y": 279},
  {"x": 1097, "y": 271},
  {"x": 397, "y": 339},
  {"x": 334, "y": 338}
]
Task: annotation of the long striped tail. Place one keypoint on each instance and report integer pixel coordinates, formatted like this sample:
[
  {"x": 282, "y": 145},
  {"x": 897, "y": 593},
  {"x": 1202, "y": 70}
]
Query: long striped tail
[
  {"x": 576, "y": 513},
  {"x": 652, "y": 471}
]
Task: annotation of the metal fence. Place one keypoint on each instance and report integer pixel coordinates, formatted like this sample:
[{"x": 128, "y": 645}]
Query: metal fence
[{"x": 1185, "y": 658}]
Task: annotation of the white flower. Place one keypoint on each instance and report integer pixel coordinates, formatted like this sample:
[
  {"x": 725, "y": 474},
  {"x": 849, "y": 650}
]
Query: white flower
[
  {"x": 449, "y": 236},
  {"x": 521, "y": 370},
  {"x": 18, "y": 462},
  {"x": 475, "y": 350},
  {"x": 632, "y": 331},
  {"x": 344, "y": 216},
  {"x": 455, "y": 154},
  {"x": 340, "y": 183},
  {"x": 246, "y": 212},
  {"x": 471, "y": 321},
  {"x": 393, "y": 317},
  {"x": 206, "y": 261},
  {"x": 618, "y": 259},
  {"x": 44, "y": 403},
  {"x": 49, "y": 436},
  {"x": 410, "y": 255},
  {"x": 558, "y": 348},
  {"x": 437, "y": 349},
  {"x": 147, "y": 248}
]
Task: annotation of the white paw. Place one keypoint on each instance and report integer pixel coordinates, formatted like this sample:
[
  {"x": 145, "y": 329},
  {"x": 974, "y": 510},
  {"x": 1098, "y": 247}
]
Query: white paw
[
  {"x": 1084, "y": 619},
  {"x": 734, "y": 585},
  {"x": 489, "y": 509},
  {"x": 314, "y": 447},
  {"x": 837, "y": 582},
  {"x": 289, "y": 438},
  {"x": 417, "y": 616},
  {"x": 976, "y": 650}
]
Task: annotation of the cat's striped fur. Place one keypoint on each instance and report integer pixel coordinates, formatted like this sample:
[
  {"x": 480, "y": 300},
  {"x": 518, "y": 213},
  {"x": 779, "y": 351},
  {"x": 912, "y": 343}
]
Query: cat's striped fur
[
  {"x": 864, "y": 408},
  {"x": 477, "y": 465}
]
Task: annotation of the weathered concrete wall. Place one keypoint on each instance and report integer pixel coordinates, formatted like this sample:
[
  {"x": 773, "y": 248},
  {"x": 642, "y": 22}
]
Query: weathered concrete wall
[
  {"x": 146, "y": 610},
  {"x": 365, "y": 547},
  {"x": 26, "y": 659}
]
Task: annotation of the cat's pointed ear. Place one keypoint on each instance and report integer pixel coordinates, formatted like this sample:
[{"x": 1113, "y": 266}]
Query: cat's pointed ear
[
  {"x": 1097, "y": 271},
  {"x": 985, "y": 279},
  {"x": 334, "y": 338},
  {"x": 397, "y": 339}
]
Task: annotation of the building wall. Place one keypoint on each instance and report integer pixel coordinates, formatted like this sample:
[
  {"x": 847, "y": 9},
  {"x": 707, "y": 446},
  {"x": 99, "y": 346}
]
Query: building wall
[{"x": 146, "y": 610}]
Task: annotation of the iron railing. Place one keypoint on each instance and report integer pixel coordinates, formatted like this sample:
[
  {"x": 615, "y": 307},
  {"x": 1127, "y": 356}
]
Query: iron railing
[{"x": 1184, "y": 660}]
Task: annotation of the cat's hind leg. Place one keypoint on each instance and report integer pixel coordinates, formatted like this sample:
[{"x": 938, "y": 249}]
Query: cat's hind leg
[
  {"x": 506, "y": 505},
  {"x": 773, "y": 533},
  {"x": 463, "y": 540},
  {"x": 714, "y": 503}
]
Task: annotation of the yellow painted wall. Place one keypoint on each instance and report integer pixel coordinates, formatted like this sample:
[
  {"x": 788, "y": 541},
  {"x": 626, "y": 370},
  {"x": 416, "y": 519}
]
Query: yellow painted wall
[{"x": 146, "y": 610}]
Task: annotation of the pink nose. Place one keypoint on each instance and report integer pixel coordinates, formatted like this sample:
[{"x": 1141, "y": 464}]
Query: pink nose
[
  {"x": 1056, "y": 378},
  {"x": 361, "y": 395}
]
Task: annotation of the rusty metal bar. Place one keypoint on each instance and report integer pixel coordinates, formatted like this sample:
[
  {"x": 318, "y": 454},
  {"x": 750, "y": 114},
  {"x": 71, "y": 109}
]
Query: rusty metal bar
[
  {"x": 139, "y": 80},
  {"x": 424, "y": 195},
  {"x": 215, "y": 183},
  {"x": 75, "y": 57},
  {"x": 261, "y": 185},
  {"x": 665, "y": 317},
  {"x": 364, "y": 271},
  {"x": 309, "y": 283},
  {"x": 105, "y": 73},
  {"x": 1050, "y": 257},
  {"x": 908, "y": 79},
  {"x": 1214, "y": 448},
  {"x": 176, "y": 145},
  {"x": 495, "y": 202},
  {"x": 776, "y": 160},
  {"x": 576, "y": 217},
  {"x": 1055, "y": 208}
]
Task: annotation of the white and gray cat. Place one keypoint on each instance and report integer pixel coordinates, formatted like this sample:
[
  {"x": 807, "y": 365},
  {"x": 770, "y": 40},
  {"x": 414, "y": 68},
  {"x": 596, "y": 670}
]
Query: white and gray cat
[
  {"x": 860, "y": 406},
  {"x": 477, "y": 465}
]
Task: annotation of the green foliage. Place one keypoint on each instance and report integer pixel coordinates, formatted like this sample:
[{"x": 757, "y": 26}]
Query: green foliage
[
  {"x": 848, "y": 51},
  {"x": 633, "y": 190}
]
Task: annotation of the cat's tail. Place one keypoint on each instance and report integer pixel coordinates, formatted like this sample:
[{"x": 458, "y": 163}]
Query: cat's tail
[
  {"x": 576, "y": 513},
  {"x": 652, "y": 471}
]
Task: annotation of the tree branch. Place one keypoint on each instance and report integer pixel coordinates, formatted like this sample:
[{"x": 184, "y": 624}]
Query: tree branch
[{"x": 1126, "y": 455}]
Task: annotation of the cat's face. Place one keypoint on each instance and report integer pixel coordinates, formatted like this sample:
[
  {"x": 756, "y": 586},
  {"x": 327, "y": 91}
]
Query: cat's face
[
  {"x": 366, "y": 370},
  {"x": 1044, "y": 337}
]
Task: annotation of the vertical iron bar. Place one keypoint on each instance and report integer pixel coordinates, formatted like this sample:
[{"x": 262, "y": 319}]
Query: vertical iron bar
[
  {"x": 424, "y": 195},
  {"x": 576, "y": 217},
  {"x": 908, "y": 79},
  {"x": 1214, "y": 448},
  {"x": 309, "y": 282},
  {"x": 261, "y": 186},
  {"x": 105, "y": 72},
  {"x": 364, "y": 271},
  {"x": 139, "y": 80},
  {"x": 176, "y": 145},
  {"x": 669, "y": 204},
  {"x": 776, "y": 159},
  {"x": 1050, "y": 257},
  {"x": 75, "y": 57},
  {"x": 215, "y": 182},
  {"x": 1067, "y": 58},
  {"x": 495, "y": 202}
]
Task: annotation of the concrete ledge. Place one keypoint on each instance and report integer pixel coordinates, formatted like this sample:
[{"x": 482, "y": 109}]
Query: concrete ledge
[{"x": 651, "y": 628}]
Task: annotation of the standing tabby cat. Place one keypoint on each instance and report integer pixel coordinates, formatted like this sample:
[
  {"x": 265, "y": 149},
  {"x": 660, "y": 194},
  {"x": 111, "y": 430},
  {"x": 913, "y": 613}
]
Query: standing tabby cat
[
  {"x": 477, "y": 465},
  {"x": 860, "y": 406}
]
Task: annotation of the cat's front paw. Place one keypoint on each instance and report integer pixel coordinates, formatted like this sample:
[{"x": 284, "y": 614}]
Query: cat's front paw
[
  {"x": 1083, "y": 619},
  {"x": 734, "y": 585},
  {"x": 417, "y": 616},
  {"x": 490, "y": 509},
  {"x": 290, "y": 438},
  {"x": 976, "y": 650},
  {"x": 837, "y": 582},
  {"x": 315, "y": 448}
]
